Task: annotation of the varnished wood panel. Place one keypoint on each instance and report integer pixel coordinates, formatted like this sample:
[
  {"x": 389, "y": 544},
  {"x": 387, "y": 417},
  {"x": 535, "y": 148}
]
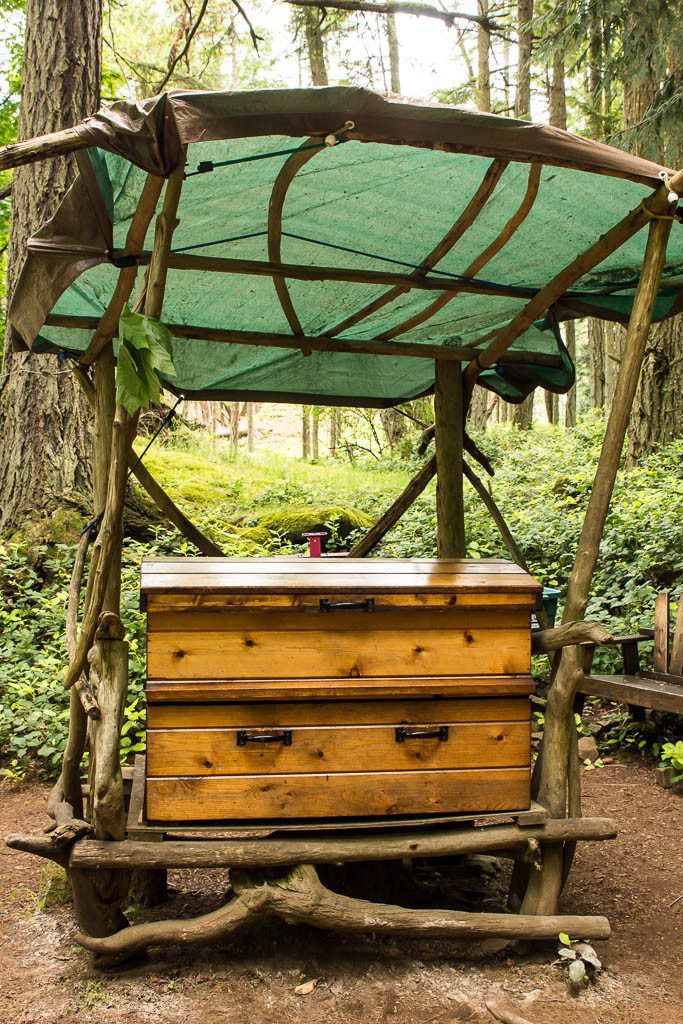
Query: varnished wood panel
[
  {"x": 211, "y": 690},
  {"x": 350, "y": 794},
  {"x": 287, "y": 653},
  {"x": 340, "y": 620},
  {"x": 326, "y": 566},
  {"x": 356, "y": 712},
  {"x": 354, "y": 748},
  {"x": 337, "y": 582},
  {"x": 256, "y": 603}
]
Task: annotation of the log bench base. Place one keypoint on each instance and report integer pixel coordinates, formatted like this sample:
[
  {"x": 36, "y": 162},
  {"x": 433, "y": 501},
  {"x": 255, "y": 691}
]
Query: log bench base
[{"x": 299, "y": 897}]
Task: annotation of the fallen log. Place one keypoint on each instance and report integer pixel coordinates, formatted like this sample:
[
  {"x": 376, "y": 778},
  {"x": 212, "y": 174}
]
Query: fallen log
[
  {"x": 245, "y": 853},
  {"x": 300, "y": 898}
]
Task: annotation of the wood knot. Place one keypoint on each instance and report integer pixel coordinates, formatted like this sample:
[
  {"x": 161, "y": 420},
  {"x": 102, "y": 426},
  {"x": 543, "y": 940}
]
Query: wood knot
[
  {"x": 249, "y": 642},
  {"x": 109, "y": 627},
  {"x": 179, "y": 654},
  {"x": 469, "y": 639},
  {"x": 418, "y": 650}
]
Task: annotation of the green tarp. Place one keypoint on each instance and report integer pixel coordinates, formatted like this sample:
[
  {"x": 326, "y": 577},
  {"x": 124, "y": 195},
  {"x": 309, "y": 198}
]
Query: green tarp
[{"x": 368, "y": 205}]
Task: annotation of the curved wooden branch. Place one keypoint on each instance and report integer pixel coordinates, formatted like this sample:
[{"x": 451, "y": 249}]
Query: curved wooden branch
[
  {"x": 135, "y": 240},
  {"x": 82, "y": 686},
  {"x": 300, "y": 898},
  {"x": 401, "y": 7},
  {"x": 570, "y": 633},
  {"x": 454, "y": 234},
  {"x": 105, "y": 545},
  {"x": 288, "y": 172},
  {"x": 518, "y": 217}
]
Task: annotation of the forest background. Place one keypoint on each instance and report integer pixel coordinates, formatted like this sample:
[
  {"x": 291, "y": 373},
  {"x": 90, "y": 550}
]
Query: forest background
[{"x": 258, "y": 476}]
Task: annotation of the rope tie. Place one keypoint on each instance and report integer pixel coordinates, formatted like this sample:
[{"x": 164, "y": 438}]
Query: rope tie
[{"x": 658, "y": 216}]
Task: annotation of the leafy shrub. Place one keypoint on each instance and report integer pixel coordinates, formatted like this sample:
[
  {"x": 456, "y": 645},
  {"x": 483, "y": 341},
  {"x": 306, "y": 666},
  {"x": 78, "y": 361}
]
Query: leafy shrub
[{"x": 542, "y": 483}]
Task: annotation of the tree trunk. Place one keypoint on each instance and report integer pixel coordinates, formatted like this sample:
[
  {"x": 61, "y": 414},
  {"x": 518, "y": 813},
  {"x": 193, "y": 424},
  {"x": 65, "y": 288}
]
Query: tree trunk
[
  {"x": 44, "y": 418},
  {"x": 525, "y": 13},
  {"x": 305, "y": 432},
  {"x": 657, "y": 410},
  {"x": 522, "y": 415},
  {"x": 394, "y": 59},
  {"x": 596, "y": 351},
  {"x": 250, "y": 426},
  {"x": 334, "y": 432},
  {"x": 479, "y": 408},
  {"x": 315, "y": 44},
  {"x": 483, "y": 66},
  {"x": 570, "y": 342}
]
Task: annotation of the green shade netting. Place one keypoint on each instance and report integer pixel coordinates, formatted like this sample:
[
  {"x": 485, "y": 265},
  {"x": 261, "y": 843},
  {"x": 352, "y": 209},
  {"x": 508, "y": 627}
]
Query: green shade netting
[{"x": 390, "y": 205}]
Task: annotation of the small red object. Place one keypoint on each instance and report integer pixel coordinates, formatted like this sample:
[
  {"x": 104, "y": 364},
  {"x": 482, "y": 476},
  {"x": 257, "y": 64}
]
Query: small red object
[{"x": 315, "y": 547}]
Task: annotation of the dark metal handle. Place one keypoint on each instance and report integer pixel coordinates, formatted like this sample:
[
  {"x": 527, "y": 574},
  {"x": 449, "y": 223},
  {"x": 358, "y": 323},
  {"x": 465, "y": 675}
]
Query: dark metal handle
[
  {"x": 440, "y": 732},
  {"x": 283, "y": 736},
  {"x": 366, "y": 605}
]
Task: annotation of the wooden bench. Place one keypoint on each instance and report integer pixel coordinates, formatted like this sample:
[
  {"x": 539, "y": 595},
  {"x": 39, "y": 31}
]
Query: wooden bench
[{"x": 660, "y": 689}]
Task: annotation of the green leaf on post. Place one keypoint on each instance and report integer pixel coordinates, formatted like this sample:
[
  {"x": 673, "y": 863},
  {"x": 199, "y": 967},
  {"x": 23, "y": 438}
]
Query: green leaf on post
[{"x": 145, "y": 352}]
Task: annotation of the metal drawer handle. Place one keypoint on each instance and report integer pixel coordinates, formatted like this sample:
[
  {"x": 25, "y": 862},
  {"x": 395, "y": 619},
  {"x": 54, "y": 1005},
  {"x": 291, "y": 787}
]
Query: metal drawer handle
[
  {"x": 344, "y": 606},
  {"x": 283, "y": 736},
  {"x": 440, "y": 732}
]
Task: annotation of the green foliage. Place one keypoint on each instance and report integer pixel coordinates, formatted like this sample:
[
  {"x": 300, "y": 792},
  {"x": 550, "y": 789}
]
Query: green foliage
[
  {"x": 672, "y": 754},
  {"x": 542, "y": 482},
  {"x": 145, "y": 351}
]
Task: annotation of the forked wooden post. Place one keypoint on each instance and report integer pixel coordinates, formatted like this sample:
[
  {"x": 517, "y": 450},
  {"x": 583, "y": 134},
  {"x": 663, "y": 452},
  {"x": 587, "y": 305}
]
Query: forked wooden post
[
  {"x": 449, "y": 419},
  {"x": 545, "y": 886}
]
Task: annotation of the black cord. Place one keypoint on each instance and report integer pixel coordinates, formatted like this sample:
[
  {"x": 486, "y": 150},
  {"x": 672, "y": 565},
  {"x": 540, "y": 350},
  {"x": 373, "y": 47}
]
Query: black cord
[{"x": 166, "y": 420}]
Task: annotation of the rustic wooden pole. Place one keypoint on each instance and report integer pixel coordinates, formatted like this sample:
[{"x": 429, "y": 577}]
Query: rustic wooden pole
[
  {"x": 657, "y": 205},
  {"x": 166, "y": 224},
  {"x": 497, "y": 516},
  {"x": 448, "y": 421},
  {"x": 545, "y": 886},
  {"x": 306, "y": 343},
  {"x": 284, "y": 852},
  {"x": 408, "y": 495}
]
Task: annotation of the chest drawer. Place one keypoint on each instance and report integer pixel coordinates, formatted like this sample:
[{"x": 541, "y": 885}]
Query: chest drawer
[{"x": 212, "y": 762}]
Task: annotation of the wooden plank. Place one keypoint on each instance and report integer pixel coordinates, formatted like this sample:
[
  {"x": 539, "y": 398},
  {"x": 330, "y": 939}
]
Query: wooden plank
[
  {"x": 676, "y": 662},
  {"x": 448, "y": 440},
  {"x": 212, "y": 690},
  {"x": 338, "y": 582},
  {"x": 351, "y": 748},
  {"x": 321, "y": 566},
  {"x": 660, "y": 657},
  {"x": 362, "y": 793},
  {"x": 356, "y": 712},
  {"x": 341, "y": 620},
  {"x": 645, "y": 693},
  {"x": 286, "y": 654},
  {"x": 395, "y": 845},
  {"x": 190, "y": 601}
]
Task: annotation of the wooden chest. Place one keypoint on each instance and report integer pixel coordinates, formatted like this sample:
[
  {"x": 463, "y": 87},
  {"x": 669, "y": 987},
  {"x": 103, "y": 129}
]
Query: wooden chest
[{"x": 318, "y": 688}]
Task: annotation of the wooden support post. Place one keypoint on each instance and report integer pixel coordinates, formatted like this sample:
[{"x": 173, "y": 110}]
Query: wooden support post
[
  {"x": 408, "y": 495},
  {"x": 166, "y": 224},
  {"x": 551, "y": 783},
  {"x": 448, "y": 420}
]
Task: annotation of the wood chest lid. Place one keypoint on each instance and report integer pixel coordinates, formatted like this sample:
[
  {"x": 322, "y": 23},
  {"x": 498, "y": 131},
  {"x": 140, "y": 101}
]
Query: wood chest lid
[{"x": 333, "y": 575}]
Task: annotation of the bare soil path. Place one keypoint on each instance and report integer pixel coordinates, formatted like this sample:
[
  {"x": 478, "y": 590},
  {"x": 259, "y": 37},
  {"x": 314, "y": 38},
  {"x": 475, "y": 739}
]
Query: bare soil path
[{"x": 45, "y": 978}]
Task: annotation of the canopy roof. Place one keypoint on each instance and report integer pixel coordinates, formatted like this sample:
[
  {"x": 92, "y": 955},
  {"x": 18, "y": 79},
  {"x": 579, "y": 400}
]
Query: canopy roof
[{"x": 467, "y": 215}]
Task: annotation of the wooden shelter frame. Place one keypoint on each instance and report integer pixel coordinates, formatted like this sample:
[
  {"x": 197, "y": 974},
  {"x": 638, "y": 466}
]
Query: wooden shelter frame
[{"x": 101, "y": 860}]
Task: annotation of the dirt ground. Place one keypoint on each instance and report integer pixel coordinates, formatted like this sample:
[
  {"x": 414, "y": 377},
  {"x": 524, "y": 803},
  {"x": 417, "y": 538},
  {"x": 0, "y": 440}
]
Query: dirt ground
[{"x": 637, "y": 881}]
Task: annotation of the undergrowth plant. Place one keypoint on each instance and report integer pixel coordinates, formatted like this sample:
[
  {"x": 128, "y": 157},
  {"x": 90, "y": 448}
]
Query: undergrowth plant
[{"x": 542, "y": 483}]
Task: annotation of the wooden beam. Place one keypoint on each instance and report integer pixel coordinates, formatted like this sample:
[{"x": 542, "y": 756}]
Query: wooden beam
[
  {"x": 167, "y": 221},
  {"x": 408, "y": 495},
  {"x": 252, "y": 853},
  {"x": 156, "y": 492},
  {"x": 660, "y": 654},
  {"x": 491, "y": 250},
  {"x": 135, "y": 240},
  {"x": 550, "y": 781},
  {"x": 464, "y": 221},
  {"x": 448, "y": 421},
  {"x": 265, "y": 339},
  {"x": 497, "y": 516},
  {"x": 288, "y": 172},
  {"x": 68, "y": 140},
  {"x": 657, "y": 206}
]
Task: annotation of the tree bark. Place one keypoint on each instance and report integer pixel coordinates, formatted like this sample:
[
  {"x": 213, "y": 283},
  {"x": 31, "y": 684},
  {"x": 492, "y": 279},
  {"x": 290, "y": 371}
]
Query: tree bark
[
  {"x": 394, "y": 56},
  {"x": 525, "y": 13},
  {"x": 483, "y": 64},
  {"x": 44, "y": 420},
  {"x": 315, "y": 45}
]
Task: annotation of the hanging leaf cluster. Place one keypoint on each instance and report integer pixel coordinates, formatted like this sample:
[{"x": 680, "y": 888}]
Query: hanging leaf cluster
[{"x": 145, "y": 352}]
